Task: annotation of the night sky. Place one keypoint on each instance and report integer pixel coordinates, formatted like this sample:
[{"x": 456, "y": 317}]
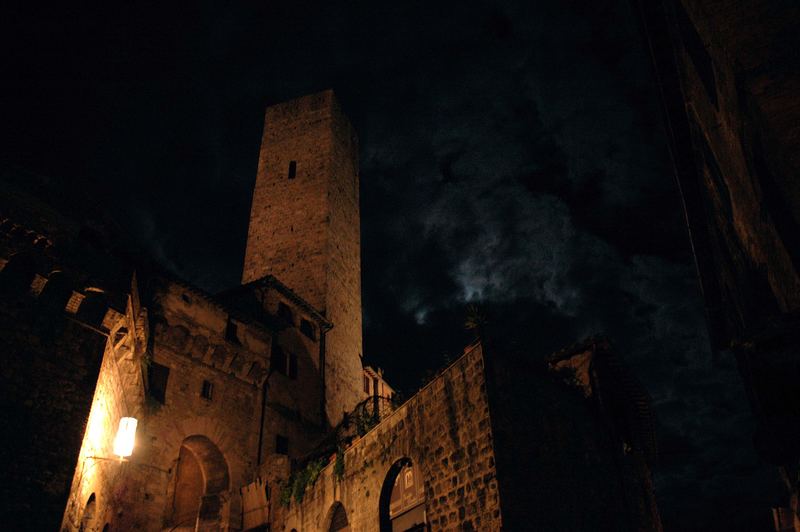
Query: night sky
[{"x": 511, "y": 155}]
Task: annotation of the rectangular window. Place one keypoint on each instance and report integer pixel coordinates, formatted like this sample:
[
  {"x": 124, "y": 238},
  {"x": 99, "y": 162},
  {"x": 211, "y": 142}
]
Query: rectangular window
[
  {"x": 285, "y": 313},
  {"x": 232, "y": 332},
  {"x": 292, "y": 169},
  {"x": 278, "y": 358},
  {"x": 307, "y": 328},
  {"x": 157, "y": 376},
  {"x": 208, "y": 390},
  {"x": 292, "y": 365},
  {"x": 281, "y": 444},
  {"x": 366, "y": 384}
]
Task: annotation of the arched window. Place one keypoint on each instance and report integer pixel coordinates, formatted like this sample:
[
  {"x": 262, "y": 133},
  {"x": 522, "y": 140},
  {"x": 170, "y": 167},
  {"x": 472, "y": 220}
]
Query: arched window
[
  {"x": 402, "y": 500},
  {"x": 88, "y": 517},
  {"x": 338, "y": 518}
]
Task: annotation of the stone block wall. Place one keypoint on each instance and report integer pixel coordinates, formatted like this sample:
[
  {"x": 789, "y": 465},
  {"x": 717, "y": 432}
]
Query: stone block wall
[
  {"x": 189, "y": 338},
  {"x": 445, "y": 430},
  {"x": 46, "y": 392},
  {"x": 294, "y": 402},
  {"x": 51, "y": 361},
  {"x": 305, "y": 228},
  {"x": 103, "y": 485}
]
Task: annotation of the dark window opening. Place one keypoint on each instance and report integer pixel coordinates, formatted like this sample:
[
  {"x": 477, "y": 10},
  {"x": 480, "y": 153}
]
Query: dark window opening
[
  {"x": 366, "y": 384},
  {"x": 285, "y": 313},
  {"x": 281, "y": 444},
  {"x": 339, "y": 519},
  {"x": 208, "y": 390},
  {"x": 292, "y": 169},
  {"x": 278, "y": 358},
  {"x": 186, "y": 299},
  {"x": 696, "y": 49},
  {"x": 308, "y": 329},
  {"x": 292, "y": 366},
  {"x": 157, "y": 376},
  {"x": 232, "y": 332}
]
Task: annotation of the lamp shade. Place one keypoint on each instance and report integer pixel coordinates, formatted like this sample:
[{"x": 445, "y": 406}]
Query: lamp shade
[{"x": 123, "y": 443}]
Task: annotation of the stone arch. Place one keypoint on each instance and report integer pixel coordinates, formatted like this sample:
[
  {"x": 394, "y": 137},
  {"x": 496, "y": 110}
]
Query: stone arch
[
  {"x": 402, "y": 499},
  {"x": 89, "y": 515},
  {"x": 337, "y": 521},
  {"x": 215, "y": 429},
  {"x": 200, "y": 479}
]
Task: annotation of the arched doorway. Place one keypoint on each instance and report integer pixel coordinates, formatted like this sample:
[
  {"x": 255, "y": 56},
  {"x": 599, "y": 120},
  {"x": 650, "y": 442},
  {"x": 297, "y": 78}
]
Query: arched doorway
[
  {"x": 88, "y": 518},
  {"x": 402, "y": 500},
  {"x": 201, "y": 475},
  {"x": 337, "y": 517}
]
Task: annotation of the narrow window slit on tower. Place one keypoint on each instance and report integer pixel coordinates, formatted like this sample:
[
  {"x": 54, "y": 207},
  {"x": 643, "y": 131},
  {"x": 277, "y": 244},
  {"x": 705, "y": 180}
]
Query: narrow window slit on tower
[
  {"x": 292, "y": 169},
  {"x": 208, "y": 390},
  {"x": 232, "y": 332},
  {"x": 281, "y": 444}
]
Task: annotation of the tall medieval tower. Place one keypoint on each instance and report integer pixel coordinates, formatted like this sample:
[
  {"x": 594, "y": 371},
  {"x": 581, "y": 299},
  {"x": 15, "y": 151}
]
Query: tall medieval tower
[{"x": 305, "y": 228}]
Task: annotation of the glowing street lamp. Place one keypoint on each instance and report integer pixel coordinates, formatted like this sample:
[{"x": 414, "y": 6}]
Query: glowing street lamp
[{"x": 123, "y": 443}]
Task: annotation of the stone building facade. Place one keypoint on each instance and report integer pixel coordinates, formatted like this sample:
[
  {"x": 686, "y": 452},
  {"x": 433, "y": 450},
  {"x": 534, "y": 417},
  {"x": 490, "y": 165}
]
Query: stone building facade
[
  {"x": 729, "y": 75},
  {"x": 252, "y": 406}
]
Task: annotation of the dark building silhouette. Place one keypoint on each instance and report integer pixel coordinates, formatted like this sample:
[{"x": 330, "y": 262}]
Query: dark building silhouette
[{"x": 729, "y": 76}]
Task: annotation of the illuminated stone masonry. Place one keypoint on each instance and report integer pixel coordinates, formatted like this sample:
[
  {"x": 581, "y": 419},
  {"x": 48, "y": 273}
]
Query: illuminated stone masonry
[{"x": 252, "y": 409}]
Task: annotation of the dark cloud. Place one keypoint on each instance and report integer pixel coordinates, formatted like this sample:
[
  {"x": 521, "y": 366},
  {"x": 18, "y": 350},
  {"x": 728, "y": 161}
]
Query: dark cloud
[{"x": 511, "y": 155}]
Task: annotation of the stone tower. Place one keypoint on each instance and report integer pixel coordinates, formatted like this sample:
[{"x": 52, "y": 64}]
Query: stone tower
[{"x": 305, "y": 229}]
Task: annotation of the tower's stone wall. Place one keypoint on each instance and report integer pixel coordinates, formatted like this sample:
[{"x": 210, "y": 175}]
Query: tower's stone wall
[{"x": 305, "y": 228}]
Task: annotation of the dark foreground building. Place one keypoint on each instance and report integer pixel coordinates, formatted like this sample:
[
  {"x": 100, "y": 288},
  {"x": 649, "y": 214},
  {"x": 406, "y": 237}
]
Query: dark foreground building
[
  {"x": 729, "y": 74},
  {"x": 250, "y": 409}
]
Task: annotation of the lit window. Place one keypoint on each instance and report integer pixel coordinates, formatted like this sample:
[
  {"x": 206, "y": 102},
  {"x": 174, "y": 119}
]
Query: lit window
[{"x": 409, "y": 477}]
